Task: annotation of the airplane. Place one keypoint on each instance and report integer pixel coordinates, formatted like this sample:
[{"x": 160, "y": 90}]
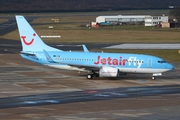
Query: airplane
[{"x": 96, "y": 64}]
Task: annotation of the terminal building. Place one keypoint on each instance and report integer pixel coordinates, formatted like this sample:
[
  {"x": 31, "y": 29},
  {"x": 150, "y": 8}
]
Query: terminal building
[
  {"x": 120, "y": 19},
  {"x": 156, "y": 20}
]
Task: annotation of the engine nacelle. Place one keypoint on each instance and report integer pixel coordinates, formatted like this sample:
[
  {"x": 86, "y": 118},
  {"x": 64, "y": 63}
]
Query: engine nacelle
[{"x": 107, "y": 71}]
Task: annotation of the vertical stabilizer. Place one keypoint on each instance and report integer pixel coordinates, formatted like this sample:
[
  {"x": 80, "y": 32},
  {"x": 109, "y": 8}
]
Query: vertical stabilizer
[{"x": 29, "y": 38}]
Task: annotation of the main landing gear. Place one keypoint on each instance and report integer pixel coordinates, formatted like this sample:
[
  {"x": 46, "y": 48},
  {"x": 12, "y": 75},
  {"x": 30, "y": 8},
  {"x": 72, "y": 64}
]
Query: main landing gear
[
  {"x": 92, "y": 74},
  {"x": 89, "y": 76}
]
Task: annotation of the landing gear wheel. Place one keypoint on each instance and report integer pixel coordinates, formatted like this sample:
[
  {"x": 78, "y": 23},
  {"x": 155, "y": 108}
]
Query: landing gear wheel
[
  {"x": 153, "y": 77},
  {"x": 89, "y": 76}
]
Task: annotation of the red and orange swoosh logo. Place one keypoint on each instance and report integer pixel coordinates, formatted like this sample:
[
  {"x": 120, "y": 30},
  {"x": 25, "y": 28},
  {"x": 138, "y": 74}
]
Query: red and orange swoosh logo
[{"x": 27, "y": 43}]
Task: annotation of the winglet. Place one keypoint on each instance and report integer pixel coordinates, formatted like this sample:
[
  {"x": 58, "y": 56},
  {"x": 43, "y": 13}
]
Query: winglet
[
  {"x": 85, "y": 48},
  {"x": 49, "y": 59}
]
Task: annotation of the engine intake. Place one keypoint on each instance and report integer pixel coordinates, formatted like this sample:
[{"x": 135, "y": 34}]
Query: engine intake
[{"x": 107, "y": 71}]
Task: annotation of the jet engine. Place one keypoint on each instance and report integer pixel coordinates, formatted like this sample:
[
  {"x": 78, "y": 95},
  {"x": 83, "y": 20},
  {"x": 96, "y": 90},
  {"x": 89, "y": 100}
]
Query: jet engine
[{"x": 107, "y": 71}]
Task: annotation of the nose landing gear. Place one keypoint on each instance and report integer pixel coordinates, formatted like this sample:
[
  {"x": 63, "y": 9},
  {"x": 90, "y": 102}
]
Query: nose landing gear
[{"x": 153, "y": 77}]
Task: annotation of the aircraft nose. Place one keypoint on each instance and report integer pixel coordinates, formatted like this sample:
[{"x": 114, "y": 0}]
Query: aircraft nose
[{"x": 169, "y": 66}]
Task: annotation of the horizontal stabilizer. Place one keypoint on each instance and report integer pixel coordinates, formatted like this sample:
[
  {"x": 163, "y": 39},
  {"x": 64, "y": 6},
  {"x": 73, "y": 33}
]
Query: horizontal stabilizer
[{"x": 30, "y": 54}]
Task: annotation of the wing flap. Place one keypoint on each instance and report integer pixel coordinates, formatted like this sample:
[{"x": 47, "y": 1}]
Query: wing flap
[{"x": 86, "y": 67}]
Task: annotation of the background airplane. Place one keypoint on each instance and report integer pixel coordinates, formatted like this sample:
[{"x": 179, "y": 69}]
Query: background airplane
[{"x": 95, "y": 63}]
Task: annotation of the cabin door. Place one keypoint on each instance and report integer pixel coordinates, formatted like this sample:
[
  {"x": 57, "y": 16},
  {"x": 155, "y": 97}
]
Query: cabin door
[{"x": 149, "y": 64}]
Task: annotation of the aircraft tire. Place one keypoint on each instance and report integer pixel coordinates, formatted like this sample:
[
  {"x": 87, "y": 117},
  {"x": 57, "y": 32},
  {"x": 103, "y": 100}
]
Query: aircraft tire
[
  {"x": 153, "y": 77},
  {"x": 89, "y": 76}
]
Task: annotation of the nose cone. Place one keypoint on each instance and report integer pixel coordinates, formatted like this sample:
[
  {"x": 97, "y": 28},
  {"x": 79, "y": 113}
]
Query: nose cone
[{"x": 169, "y": 66}]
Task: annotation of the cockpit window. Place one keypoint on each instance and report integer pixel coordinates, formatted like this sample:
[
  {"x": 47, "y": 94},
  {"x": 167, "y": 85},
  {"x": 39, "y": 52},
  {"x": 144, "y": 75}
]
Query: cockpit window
[{"x": 162, "y": 61}]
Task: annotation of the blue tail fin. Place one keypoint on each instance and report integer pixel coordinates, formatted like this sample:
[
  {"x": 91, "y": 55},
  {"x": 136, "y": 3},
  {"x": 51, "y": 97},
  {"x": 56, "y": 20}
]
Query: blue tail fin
[{"x": 29, "y": 38}]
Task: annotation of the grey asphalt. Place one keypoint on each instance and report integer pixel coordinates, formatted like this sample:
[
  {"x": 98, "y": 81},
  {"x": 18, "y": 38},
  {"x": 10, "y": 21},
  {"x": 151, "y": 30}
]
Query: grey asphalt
[
  {"x": 85, "y": 96},
  {"x": 13, "y": 46},
  {"x": 10, "y": 24},
  {"x": 145, "y": 46}
]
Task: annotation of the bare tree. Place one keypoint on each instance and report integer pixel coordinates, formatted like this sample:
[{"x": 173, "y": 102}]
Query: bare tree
[{"x": 175, "y": 12}]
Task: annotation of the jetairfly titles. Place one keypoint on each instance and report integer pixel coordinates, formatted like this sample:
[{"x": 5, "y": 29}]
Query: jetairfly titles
[{"x": 120, "y": 61}]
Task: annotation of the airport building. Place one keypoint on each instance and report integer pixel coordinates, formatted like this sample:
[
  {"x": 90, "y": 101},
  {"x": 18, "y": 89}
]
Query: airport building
[
  {"x": 155, "y": 20},
  {"x": 120, "y": 19}
]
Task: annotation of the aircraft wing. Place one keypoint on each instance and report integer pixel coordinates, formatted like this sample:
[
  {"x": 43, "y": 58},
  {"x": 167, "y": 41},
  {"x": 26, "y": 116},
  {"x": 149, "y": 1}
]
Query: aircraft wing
[
  {"x": 89, "y": 67},
  {"x": 81, "y": 66},
  {"x": 86, "y": 67}
]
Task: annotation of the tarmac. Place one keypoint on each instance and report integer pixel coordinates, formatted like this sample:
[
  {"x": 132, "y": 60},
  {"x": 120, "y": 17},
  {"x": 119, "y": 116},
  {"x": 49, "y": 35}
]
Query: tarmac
[{"x": 145, "y": 46}]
